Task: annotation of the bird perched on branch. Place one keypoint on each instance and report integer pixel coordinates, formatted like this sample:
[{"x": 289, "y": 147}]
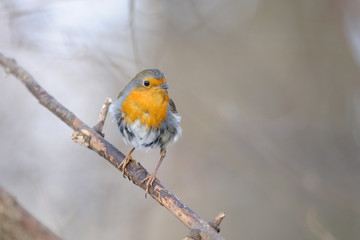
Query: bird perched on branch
[{"x": 146, "y": 116}]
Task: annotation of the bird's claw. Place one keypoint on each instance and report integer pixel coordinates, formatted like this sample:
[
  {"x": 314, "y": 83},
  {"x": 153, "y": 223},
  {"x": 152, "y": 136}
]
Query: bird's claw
[
  {"x": 149, "y": 181},
  {"x": 123, "y": 164}
]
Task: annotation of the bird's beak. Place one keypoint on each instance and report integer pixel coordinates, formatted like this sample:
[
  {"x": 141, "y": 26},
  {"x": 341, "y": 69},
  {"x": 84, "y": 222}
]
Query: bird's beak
[{"x": 164, "y": 86}]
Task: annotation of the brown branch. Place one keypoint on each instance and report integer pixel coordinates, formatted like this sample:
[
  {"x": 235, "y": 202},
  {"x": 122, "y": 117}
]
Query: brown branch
[
  {"x": 18, "y": 224},
  {"x": 91, "y": 138},
  {"x": 195, "y": 233},
  {"x": 102, "y": 117},
  {"x": 216, "y": 223}
]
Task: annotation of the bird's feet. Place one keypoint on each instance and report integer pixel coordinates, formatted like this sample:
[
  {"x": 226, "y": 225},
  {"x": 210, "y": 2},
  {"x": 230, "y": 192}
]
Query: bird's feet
[
  {"x": 149, "y": 181},
  {"x": 124, "y": 163}
]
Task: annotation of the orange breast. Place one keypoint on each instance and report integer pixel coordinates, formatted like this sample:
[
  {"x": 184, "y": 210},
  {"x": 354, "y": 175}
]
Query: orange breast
[{"x": 149, "y": 106}]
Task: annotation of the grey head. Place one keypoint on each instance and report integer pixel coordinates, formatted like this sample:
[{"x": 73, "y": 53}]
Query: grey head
[{"x": 137, "y": 81}]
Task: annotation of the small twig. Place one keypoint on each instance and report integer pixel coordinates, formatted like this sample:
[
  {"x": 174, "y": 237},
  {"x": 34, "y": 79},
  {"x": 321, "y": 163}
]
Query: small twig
[
  {"x": 135, "y": 172},
  {"x": 216, "y": 223},
  {"x": 102, "y": 117},
  {"x": 195, "y": 233}
]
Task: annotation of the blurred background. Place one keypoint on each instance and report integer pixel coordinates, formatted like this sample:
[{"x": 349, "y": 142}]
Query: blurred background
[{"x": 269, "y": 95}]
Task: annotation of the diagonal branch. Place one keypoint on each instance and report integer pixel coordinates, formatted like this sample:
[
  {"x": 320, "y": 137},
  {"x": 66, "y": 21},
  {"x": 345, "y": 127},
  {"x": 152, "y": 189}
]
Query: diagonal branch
[
  {"x": 16, "y": 223},
  {"x": 135, "y": 172}
]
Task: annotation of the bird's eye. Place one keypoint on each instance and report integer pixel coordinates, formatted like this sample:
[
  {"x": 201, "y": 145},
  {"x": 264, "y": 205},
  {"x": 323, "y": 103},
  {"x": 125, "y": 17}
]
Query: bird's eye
[{"x": 146, "y": 83}]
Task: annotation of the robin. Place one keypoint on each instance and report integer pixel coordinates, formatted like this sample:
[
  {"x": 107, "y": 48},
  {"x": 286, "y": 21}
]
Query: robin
[{"x": 146, "y": 116}]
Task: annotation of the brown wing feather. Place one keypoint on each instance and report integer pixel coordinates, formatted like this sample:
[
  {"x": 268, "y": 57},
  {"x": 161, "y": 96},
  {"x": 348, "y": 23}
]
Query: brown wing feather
[
  {"x": 172, "y": 106},
  {"x": 120, "y": 94}
]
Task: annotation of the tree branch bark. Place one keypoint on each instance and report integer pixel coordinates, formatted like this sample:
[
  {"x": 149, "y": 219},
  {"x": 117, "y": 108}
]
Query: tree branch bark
[
  {"x": 18, "y": 224},
  {"x": 93, "y": 140}
]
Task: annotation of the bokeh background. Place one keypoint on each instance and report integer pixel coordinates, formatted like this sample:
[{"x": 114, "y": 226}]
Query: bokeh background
[{"x": 269, "y": 95}]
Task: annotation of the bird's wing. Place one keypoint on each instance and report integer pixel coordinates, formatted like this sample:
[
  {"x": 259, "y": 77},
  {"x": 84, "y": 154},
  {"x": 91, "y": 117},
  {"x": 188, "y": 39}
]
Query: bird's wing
[
  {"x": 172, "y": 106},
  {"x": 120, "y": 94}
]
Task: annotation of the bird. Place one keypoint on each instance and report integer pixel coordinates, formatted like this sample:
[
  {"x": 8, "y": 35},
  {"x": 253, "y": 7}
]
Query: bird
[{"x": 146, "y": 117}]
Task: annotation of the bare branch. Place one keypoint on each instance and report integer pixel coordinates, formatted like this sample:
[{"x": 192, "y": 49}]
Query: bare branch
[
  {"x": 195, "y": 233},
  {"x": 18, "y": 224},
  {"x": 216, "y": 223},
  {"x": 135, "y": 172},
  {"x": 103, "y": 113}
]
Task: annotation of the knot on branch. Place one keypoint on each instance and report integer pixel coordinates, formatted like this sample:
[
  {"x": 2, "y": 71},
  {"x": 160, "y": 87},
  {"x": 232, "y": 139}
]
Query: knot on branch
[
  {"x": 193, "y": 235},
  {"x": 81, "y": 137}
]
